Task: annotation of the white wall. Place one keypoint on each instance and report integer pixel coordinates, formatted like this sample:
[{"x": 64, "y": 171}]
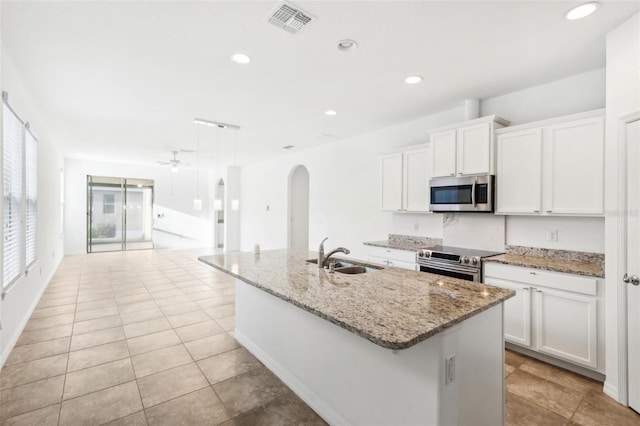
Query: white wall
[
  {"x": 173, "y": 191},
  {"x": 574, "y": 233},
  {"x": 20, "y": 301},
  {"x": 623, "y": 98},
  {"x": 344, "y": 182}
]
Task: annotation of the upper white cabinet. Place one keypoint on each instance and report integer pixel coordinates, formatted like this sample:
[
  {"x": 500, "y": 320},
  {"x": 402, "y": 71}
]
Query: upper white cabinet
[
  {"x": 405, "y": 180},
  {"x": 466, "y": 148},
  {"x": 555, "y": 167}
]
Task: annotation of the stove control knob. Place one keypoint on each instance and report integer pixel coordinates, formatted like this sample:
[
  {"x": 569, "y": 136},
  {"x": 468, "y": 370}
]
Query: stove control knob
[
  {"x": 425, "y": 253},
  {"x": 465, "y": 259},
  {"x": 475, "y": 260}
]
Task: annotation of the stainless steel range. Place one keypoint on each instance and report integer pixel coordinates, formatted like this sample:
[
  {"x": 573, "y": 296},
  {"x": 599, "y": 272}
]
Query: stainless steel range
[{"x": 456, "y": 262}]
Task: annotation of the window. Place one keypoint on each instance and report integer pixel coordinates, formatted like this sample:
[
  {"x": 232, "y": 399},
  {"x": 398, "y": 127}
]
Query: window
[
  {"x": 20, "y": 196},
  {"x": 108, "y": 204}
]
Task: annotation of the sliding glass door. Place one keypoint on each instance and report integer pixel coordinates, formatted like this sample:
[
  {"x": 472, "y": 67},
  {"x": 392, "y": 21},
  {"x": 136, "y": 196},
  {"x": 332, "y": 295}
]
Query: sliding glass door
[{"x": 119, "y": 214}]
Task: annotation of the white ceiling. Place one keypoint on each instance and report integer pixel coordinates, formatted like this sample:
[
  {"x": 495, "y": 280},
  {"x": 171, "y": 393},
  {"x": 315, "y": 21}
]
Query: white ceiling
[{"x": 124, "y": 80}]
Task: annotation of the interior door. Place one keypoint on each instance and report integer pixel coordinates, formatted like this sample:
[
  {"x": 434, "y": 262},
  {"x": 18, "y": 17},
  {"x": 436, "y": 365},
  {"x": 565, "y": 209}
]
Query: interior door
[{"x": 633, "y": 260}]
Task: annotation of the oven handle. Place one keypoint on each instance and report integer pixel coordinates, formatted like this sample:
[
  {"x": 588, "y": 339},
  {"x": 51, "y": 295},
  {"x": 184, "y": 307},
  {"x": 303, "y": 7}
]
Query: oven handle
[{"x": 447, "y": 267}]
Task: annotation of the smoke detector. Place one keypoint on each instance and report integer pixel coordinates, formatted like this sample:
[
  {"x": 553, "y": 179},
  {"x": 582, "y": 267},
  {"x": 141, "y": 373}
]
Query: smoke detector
[{"x": 289, "y": 17}]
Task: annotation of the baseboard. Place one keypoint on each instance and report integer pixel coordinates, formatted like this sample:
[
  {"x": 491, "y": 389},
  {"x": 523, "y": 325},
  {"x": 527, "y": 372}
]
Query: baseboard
[
  {"x": 610, "y": 390},
  {"x": 299, "y": 388}
]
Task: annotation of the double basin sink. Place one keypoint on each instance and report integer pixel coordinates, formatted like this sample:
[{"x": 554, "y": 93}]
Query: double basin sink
[{"x": 345, "y": 267}]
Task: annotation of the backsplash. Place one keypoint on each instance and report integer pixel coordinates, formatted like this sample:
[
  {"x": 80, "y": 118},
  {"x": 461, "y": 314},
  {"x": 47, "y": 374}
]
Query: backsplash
[
  {"x": 426, "y": 241},
  {"x": 580, "y": 256}
]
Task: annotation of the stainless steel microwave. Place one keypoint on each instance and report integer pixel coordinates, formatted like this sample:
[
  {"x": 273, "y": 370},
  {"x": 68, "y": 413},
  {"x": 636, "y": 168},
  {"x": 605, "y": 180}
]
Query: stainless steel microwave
[{"x": 462, "y": 194}]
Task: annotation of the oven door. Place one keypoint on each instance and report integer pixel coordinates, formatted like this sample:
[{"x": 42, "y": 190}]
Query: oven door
[
  {"x": 460, "y": 272},
  {"x": 463, "y": 194}
]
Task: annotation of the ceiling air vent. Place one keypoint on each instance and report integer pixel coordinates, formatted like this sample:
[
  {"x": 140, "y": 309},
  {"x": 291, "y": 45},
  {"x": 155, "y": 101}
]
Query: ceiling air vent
[{"x": 289, "y": 18}]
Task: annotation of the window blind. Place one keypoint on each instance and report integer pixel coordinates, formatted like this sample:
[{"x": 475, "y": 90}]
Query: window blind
[
  {"x": 31, "y": 196},
  {"x": 13, "y": 232}
]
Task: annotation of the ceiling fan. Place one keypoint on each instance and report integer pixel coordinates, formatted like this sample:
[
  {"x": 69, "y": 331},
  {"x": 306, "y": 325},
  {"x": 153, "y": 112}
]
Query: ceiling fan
[{"x": 174, "y": 162}]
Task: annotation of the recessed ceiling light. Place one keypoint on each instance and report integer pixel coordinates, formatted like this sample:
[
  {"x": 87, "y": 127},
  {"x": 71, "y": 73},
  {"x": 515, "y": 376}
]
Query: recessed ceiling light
[
  {"x": 330, "y": 112},
  {"x": 240, "y": 58},
  {"x": 347, "y": 45},
  {"x": 582, "y": 11},
  {"x": 413, "y": 79}
]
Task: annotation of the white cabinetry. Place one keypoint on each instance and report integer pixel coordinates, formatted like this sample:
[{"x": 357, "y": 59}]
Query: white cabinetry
[
  {"x": 405, "y": 180},
  {"x": 555, "y": 167},
  {"x": 466, "y": 148},
  {"x": 392, "y": 257},
  {"x": 552, "y": 313}
]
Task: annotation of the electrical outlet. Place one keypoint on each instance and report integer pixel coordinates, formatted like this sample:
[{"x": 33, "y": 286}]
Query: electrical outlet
[
  {"x": 552, "y": 236},
  {"x": 449, "y": 369}
]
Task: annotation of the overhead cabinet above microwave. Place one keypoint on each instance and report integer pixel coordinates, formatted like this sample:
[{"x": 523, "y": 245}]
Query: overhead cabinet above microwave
[
  {"x": 553, "y": 167},
  {"x": 465, "y": 148}
]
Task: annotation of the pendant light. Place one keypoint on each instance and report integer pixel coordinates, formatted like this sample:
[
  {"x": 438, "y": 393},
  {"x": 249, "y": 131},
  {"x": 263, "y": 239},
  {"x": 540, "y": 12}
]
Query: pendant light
[
  {"x": 197, "y": 202},
  {"x": 217, "y": 202},
  {"x": 235, "y": 202}
]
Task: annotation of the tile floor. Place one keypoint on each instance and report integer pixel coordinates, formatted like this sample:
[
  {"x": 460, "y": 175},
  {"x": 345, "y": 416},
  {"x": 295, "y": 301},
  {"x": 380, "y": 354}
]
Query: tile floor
[{"x": 145, "y": 337}]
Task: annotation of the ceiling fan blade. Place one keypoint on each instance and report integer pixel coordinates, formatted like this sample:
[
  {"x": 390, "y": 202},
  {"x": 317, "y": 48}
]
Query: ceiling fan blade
[
  {"x": 187, "y": 150},
  {"x": 164, "y": 163}
]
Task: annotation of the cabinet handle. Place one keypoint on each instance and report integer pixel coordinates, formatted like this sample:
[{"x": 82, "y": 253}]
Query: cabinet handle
[
  {"x": 390, "y": 263},
  {"x": 526, "y": 288},
  {"x": 549, "y": 211},
  {"x": 539, "y": 291},
  {"x": 536, "y": 211},
  {"x": 452, "y": 174},
  {"x": 532, "y": 273}
]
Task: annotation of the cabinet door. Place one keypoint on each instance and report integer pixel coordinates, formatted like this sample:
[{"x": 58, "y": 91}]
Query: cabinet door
[
  {"x": 443, "y": 149},
  {"x": 474, "y": 149},
  {"x": 391, "y": 181},
  {"x": 567, "y": 326},
  {"x": 574, "y": 167},
  {"x": 416, "y": 180},
  {"x": 519, "y": 171},
  {"x": 517, "y": 311}
]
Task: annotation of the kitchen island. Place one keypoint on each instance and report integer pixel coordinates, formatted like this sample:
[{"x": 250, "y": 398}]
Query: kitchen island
[{"x": 390, "y": 346}]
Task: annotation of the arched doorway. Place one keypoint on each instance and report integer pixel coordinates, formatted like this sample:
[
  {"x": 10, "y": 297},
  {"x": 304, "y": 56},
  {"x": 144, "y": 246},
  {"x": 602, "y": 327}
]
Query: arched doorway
[
  {"x": 298, "y": 209},
  {"x": 218, "y": 215}
]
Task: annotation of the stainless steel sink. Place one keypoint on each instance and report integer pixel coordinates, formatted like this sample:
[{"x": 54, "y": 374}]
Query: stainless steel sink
[{"x": 355, "y": 269}]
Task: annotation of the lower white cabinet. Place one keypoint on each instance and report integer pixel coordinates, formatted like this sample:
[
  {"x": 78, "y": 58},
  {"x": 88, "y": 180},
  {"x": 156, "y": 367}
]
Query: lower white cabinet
[
  {"x": 553, "y": 313},
  {"x": 392, "y": 257}
]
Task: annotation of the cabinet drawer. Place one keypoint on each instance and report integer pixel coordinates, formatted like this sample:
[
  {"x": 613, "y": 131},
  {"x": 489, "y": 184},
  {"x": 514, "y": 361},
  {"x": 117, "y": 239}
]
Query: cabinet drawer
[
  {"x": 542, "y": 278},
  {"x": 387, "y": 253}
]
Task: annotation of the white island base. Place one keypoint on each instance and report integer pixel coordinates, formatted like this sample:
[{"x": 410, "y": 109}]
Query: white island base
[{"x": 349, "y": 380}]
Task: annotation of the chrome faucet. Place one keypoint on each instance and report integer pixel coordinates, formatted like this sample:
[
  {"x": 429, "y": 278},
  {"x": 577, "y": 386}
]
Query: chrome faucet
[{"x": 322, "y": 259}]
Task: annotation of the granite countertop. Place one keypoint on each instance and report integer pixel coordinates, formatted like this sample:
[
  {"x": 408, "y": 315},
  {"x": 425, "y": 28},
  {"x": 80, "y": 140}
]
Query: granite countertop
[
  {"x": 590, "y": 269},
  {"x": 405, "y": 242},
  {"x": 394, "y": 308}
]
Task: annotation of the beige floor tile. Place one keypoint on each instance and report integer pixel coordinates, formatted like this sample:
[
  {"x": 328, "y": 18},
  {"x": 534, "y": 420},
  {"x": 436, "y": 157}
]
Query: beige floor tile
[
  {"x": 597, "y": 409},
  {"x": 96, "y": 304},
  {"x": 51, "y": 321},
  {"x": 137, "y": 307},
  {"x": 33, "y": 396},
  {"x": 508, "y": 369},
  {"x": 97, "y": 355},
  {"x": 228, "y": 364},
  {"x": 216, "y": 301},
  {"x": 552, "y": 396},
  {"x": 56, "y": 310},
  {"x": 102, "y": 406},
  {"x": 139, "y": 316},
  {"x": 56, "y": 302},
  {"x": 520, "y": 412},
  {"x": 198, "y": 331},
  {"x": 197, "y": 408},
  {"x": 227, "y": 323},
  {"x": 38, "y": 350},
  {"x": 203, "y": 295},
  {"x": 173, "y": 292},
  {"x": 152, "y": 342},
  {"x": 133, "y": 298},
  {"x": 285, "y": 410},
  {"x": 44, "y": 334},
  {"x": 96, "y": 324},
  {"x": 93, "y": 379},
  {"x": 146, "y": 327},
  {"x": 96, "y": 313},
  {"x": 168, "y": 301},
  {"x": 188, "y": 318},
  {"x": 90, "y": 297},
  {"x": 250, "y": 390},
  {"x": 514, "y": 359},
  {"x": 95, "y": 338},
  {"x": 210, "y": 346},
  {"x": 160, "y": 360},
  {"x": 166, "y": 385},
  {"x": 180, "y": 308},
  {"x": 196, "y": 287},
  {"x": 47, "y": 416},
  {"x": 136, "y": 419},
  {"x": 129, "y": 290},
  {"x": 221, "y": 311},
  {"x": 560, "y": 376},
  {"x": 33, "y": 371}
]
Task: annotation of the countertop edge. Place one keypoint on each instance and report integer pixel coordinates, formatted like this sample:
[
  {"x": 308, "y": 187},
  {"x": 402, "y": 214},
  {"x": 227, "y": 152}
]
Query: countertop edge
[
  {"x": 525, "y": 264},
  {"x": 383, "y": 343}
]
